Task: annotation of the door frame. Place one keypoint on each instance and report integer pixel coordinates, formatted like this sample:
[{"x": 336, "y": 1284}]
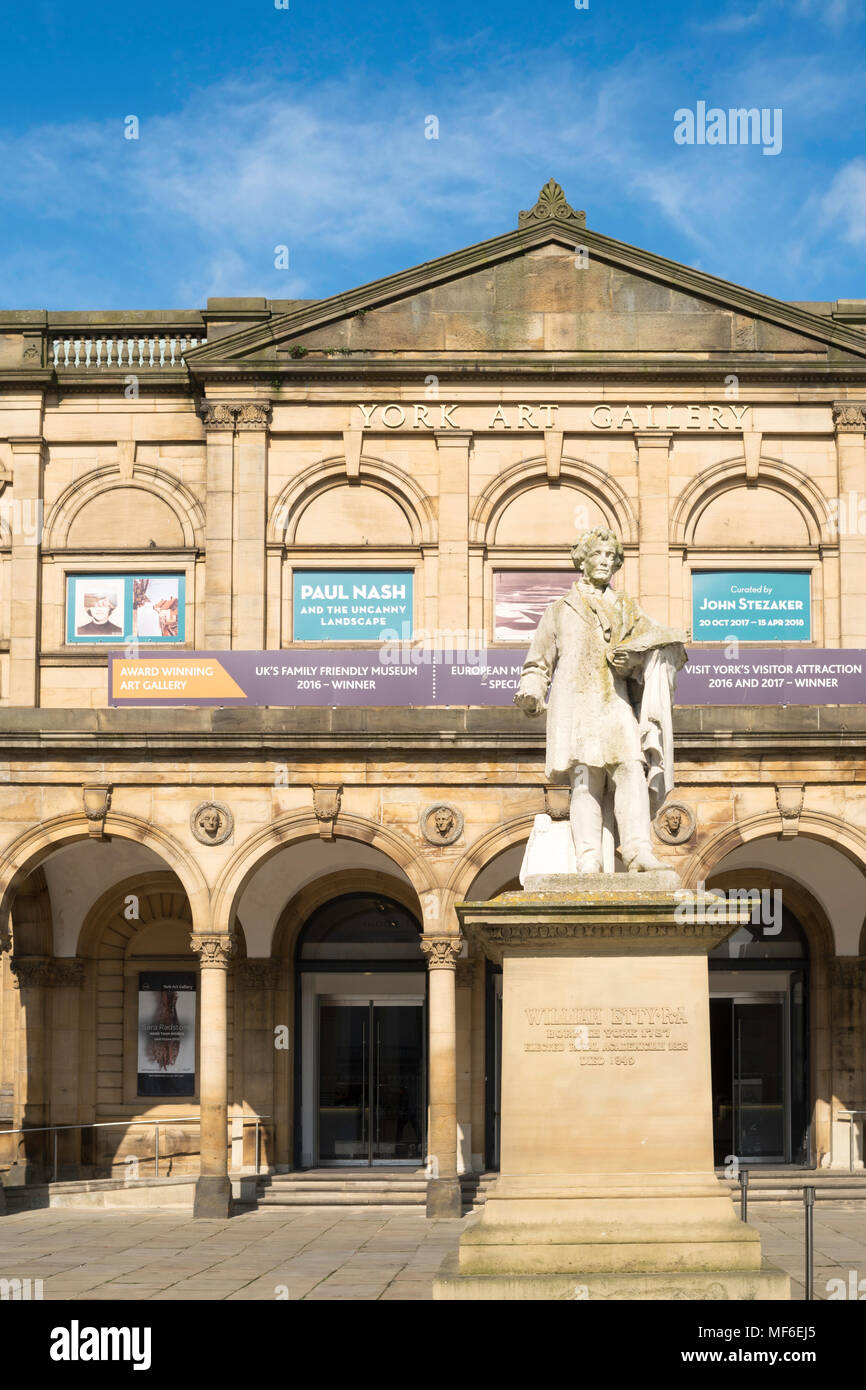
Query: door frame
[
  {"x": 370, "y": 1001},
  {"x": 359, "y": 980},
  {"x": 756, "y": 978}
]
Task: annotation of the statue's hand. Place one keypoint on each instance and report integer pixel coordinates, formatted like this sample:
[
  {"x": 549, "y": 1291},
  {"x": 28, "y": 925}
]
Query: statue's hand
[
  {"x": 530, "y": 704},
  {"x": 621, "y": 661}
]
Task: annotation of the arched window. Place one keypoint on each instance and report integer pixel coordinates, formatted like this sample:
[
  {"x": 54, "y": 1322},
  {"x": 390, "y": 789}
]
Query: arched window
[{"x": 360, "y": 927}]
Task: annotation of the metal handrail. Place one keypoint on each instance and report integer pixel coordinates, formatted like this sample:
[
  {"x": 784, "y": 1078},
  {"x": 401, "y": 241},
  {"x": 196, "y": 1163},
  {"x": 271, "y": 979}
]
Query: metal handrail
[{"x": 128, "y": 1124}]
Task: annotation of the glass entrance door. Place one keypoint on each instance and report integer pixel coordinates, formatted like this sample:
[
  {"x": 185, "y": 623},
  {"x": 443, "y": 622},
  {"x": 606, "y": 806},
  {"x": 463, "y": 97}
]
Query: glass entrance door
[
  {"x": 750, "y": 1068},
  {"x": 371, "y": 1081}
]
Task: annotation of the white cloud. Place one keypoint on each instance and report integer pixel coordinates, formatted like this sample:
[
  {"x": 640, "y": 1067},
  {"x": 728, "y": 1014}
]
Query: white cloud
[
  {"x": 843, "y": 206},
  {"x": 340, "y": 172}
]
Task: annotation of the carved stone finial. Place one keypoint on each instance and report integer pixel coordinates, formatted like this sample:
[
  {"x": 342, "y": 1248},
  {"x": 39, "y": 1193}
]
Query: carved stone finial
[{"x": 552, "y": 205}]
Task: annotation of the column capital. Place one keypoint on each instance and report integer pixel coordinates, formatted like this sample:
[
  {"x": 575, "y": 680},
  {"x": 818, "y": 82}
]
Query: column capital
[
  {"x": 849, "y": 417},
  {"x": 49, "y": 972},
  {"x": 214, "y": 949},
  {"x": 441, "y": 951},
  {"x": 259, "y": 973},
  {"x": 235, "y": 415}
]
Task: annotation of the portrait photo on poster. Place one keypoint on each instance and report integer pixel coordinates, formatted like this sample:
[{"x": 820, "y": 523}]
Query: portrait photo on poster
[{"x": 106, "y": 608}]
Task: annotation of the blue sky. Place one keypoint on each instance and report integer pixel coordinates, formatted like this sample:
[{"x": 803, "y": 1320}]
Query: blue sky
[{"x": 305, "y": 127}]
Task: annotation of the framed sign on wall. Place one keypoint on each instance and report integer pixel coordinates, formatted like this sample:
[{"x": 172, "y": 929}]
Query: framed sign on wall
[
  {"x": 752, "y": 605},
  {"x": 351, "y": 605},
  {"x": 117, "y": 608},
  {"x": 166, "y": 1032},
  {"x": 521, "y": 596}
]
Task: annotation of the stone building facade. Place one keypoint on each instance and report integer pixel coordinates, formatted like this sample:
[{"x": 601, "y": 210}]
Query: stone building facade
[{"x": 457, "y": 421}]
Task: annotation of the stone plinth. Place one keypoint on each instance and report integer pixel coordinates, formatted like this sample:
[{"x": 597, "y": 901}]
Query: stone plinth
[{"x": 607, "y": 1188}]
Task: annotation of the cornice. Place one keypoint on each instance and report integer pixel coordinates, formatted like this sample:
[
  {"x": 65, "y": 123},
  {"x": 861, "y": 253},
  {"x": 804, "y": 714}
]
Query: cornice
[
  {"x": 594, "y": 366},
  {"x": 448, "y": 735}
]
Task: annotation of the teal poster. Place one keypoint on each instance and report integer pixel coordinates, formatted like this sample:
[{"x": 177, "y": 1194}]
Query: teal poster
[
  {"x": 352, "y": 605},
  {"x": 752, "y": 605}
]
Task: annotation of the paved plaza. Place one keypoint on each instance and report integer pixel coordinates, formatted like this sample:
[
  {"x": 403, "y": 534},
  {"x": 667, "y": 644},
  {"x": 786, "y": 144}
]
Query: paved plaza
[{"x": 321, "y": 1255}]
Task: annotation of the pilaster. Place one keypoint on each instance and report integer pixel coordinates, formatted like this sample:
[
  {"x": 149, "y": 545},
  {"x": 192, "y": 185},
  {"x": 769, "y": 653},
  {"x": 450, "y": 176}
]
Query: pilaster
[
  {"x": 653, "y": 450},
  {"x": 25, "y": 581},
  {"x": 849, "y": 419}
]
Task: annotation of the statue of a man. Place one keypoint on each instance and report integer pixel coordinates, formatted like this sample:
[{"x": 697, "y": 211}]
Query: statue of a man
[{"x": 611, "y": 673}]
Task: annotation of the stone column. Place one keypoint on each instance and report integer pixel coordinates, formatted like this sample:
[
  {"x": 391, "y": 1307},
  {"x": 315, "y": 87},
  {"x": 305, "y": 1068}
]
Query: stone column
[
  {"x": 848, "y": 1014},
  {"x": 479, "y": 1065},
  {"x": 849, "y": 523},
  {"x": 213, "y": 1189},
  {"x": 466, "y": 1141},
  {"x": 653, "y": 448},
  {"x": 25, "y": 521},
  {"x": 66, "y": 979},
  {"x": 31, "y": 976},
  {"x": 443, "y": 1188},
  {"x": 255, "y": 1051}
]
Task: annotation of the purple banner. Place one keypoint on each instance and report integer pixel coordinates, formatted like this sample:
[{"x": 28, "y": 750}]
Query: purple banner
[{"x": 337, "y": 676}]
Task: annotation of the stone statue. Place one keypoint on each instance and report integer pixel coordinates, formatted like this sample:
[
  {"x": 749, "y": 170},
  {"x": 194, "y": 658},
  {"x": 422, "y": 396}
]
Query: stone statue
[{"x": 611, "y": 673}]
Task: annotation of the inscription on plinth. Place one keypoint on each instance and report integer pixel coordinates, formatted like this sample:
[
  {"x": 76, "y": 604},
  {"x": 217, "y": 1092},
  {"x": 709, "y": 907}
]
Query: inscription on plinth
[
  {"x": 622, "y": 1030},
  {"x": 605, "y": 1064}
]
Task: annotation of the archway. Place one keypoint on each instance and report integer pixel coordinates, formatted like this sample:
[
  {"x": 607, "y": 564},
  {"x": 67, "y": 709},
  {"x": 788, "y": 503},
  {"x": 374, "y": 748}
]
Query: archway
[
  {"x": 360, "y": 981},
  {"x": 775, "y": 977}
]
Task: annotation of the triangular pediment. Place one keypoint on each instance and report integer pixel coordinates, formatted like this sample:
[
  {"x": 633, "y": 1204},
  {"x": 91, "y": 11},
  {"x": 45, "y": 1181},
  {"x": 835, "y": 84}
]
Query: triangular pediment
[{"x": 550, "y": 287}]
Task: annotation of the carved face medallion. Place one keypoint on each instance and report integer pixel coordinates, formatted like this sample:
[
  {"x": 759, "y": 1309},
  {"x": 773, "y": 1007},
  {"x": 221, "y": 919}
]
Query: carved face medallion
[
  {"x": 675, "y": 823},
  {"x": 441, "y": 824},
  {"x": 211, "y": 823}
]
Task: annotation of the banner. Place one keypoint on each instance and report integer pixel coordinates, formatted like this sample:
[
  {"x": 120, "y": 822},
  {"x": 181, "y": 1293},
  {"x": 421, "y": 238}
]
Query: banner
[
  {"x": 337, "y": 677},
  {"x": 166, "y": 1032}
]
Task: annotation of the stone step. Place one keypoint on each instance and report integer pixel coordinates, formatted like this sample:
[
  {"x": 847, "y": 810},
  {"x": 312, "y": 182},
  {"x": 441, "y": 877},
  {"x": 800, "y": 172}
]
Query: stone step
[
  {"x": 328, "y": 1197},
  {"x": 364, "y": 1189}
]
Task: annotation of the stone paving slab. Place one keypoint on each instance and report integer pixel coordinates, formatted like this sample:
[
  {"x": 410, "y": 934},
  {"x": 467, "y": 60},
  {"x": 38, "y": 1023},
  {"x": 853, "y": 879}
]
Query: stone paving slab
[{"x": 160, "y": 1255}]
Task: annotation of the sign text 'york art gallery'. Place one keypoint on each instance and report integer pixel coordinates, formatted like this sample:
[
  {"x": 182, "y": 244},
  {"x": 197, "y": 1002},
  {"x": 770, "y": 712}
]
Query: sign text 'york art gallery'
[
  {"x": 654, "y": 415},
  {"x": 366, "y": 677}
]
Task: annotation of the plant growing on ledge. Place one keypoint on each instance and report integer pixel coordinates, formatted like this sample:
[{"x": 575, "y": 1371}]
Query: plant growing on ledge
[{"x": 298, "y": 350}]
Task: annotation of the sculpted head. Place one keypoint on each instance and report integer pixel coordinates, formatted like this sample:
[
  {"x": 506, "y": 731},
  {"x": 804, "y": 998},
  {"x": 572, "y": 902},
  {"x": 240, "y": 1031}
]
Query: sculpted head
[
  {"x": 443, "y": 819},
  {"x": 673, "y": 820},
  {"x": 210, "y": 821},
  {"x": 598, "y": 554}
]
